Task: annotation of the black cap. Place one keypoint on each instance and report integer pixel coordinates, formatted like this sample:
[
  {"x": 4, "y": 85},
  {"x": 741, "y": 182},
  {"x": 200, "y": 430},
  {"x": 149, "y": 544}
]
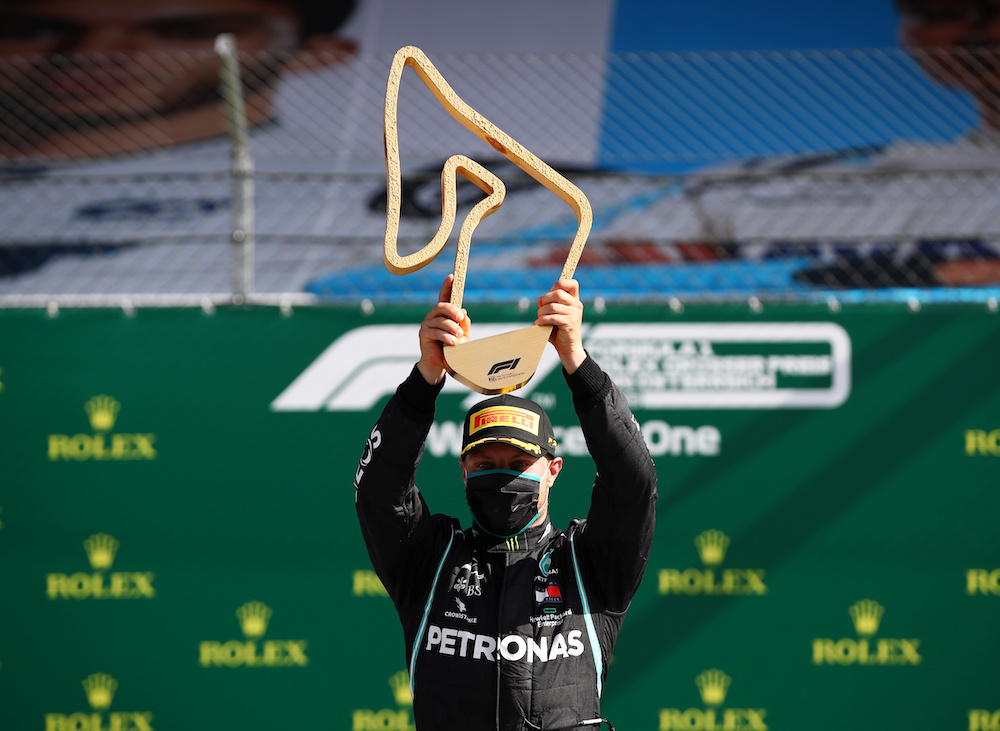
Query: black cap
[{"x": 510, "y": 419}]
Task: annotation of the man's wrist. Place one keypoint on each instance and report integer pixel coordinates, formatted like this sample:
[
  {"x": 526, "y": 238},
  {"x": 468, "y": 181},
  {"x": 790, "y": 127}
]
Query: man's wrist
[
  {"x": 573, "y": 360},
  {"x": 432, "y": 375},
  {"x": 588, "y": 380},
  {"x": 417, "y": 395}
]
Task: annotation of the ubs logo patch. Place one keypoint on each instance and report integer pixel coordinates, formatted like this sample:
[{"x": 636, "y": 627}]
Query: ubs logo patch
[{"x": 468, "y": 580}]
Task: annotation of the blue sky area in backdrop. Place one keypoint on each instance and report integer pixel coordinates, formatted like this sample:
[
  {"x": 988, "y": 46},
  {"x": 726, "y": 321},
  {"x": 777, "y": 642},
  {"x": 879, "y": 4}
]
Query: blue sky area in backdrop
[
  {"x": 739, "y": 25},
  {"x": 738, "y": 80}
]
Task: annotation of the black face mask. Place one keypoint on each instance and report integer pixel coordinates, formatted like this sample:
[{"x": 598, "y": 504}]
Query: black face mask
[{"x": 504, "y": 503}]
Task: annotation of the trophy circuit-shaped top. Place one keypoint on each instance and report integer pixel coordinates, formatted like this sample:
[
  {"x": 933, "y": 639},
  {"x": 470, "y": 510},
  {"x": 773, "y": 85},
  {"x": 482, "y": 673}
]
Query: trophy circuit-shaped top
[{"x": 504, "y": 362}]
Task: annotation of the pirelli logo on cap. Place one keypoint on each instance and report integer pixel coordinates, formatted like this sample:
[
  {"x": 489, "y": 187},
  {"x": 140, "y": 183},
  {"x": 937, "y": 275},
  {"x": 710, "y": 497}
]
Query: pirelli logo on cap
[{"x": 504, "y": 416}]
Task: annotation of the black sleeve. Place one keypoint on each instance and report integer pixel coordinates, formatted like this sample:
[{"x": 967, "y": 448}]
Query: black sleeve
[
  {"x": 397, "y": 527},
  {"x": 615, "y": 542}
]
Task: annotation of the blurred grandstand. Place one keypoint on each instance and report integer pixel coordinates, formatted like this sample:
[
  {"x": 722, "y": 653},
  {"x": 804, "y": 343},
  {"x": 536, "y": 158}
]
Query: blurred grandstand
[{"x": 840, "y": 176}]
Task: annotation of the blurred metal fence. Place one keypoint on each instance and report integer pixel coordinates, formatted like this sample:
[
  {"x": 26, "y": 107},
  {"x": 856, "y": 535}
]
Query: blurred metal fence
[{"x": 861, "y": 175}]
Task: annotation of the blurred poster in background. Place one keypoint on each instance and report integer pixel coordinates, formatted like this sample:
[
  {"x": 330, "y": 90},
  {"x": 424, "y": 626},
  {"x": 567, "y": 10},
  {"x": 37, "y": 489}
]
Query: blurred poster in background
[{"x": 728, "y": 150}]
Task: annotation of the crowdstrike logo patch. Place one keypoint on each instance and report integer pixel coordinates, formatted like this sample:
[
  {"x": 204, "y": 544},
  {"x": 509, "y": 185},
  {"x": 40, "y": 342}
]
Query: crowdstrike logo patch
[{"x": 462, "y": 613}]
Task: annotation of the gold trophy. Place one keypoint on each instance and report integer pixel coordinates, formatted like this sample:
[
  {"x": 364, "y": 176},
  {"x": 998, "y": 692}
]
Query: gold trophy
[{"x": 504, "y": 362}]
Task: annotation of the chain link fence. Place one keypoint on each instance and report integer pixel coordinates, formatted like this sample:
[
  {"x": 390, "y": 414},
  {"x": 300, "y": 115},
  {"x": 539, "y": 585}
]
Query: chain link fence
[{"x": 860, "y": 175}]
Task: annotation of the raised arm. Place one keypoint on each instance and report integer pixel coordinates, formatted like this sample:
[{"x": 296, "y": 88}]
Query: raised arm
[
  {"x": 395, "y": 521},
  {"x": 614, "y": 544}
]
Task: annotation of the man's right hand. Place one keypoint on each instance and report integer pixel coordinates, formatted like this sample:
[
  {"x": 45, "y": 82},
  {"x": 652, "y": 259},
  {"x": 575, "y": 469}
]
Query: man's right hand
[{"x": 444, "y": 325}]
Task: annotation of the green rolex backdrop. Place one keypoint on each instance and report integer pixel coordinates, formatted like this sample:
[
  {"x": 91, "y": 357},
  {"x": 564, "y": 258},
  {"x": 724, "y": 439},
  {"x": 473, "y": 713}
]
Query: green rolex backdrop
[{"x": 179, "y": 548}]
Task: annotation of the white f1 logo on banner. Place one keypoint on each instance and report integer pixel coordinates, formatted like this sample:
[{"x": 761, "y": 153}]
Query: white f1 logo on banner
[
  {"x": 763, "y": 365},
  {"x": 367, "y": 363}
]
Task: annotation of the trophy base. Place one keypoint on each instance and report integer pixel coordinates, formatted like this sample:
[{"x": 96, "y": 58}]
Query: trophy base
[{"x": 500, "y": 363}]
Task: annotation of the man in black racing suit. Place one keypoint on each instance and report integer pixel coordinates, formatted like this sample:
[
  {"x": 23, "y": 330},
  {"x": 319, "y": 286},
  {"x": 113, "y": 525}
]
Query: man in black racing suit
[{"x": 509, "y": 624}]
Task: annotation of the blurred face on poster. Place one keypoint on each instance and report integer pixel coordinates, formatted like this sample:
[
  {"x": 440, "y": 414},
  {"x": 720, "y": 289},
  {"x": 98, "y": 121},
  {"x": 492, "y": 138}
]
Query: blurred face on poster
[
  {"x": 957, "y": 44},
  {"x": 81, "y": 75},
  {"x": 950, "y": 22}
]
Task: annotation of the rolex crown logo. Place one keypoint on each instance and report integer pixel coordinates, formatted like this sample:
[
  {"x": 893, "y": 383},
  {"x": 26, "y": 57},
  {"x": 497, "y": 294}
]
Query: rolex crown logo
[
  {"x": 866, "y": 614},
  {"x": 100, "y": 689},
  {"x": 254, "y": 617},
  {"x": 102, "y": 411},
  {"x": 400, "y": 684},
  {"x": 712, "y": 545},
  {"x": 713, "y": 685},
  {"x": 101, "y": 549}
]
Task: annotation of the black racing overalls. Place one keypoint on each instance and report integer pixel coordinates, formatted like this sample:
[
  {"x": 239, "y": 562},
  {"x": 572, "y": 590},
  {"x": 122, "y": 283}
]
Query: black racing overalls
[{"x": 508, "y": 634}]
